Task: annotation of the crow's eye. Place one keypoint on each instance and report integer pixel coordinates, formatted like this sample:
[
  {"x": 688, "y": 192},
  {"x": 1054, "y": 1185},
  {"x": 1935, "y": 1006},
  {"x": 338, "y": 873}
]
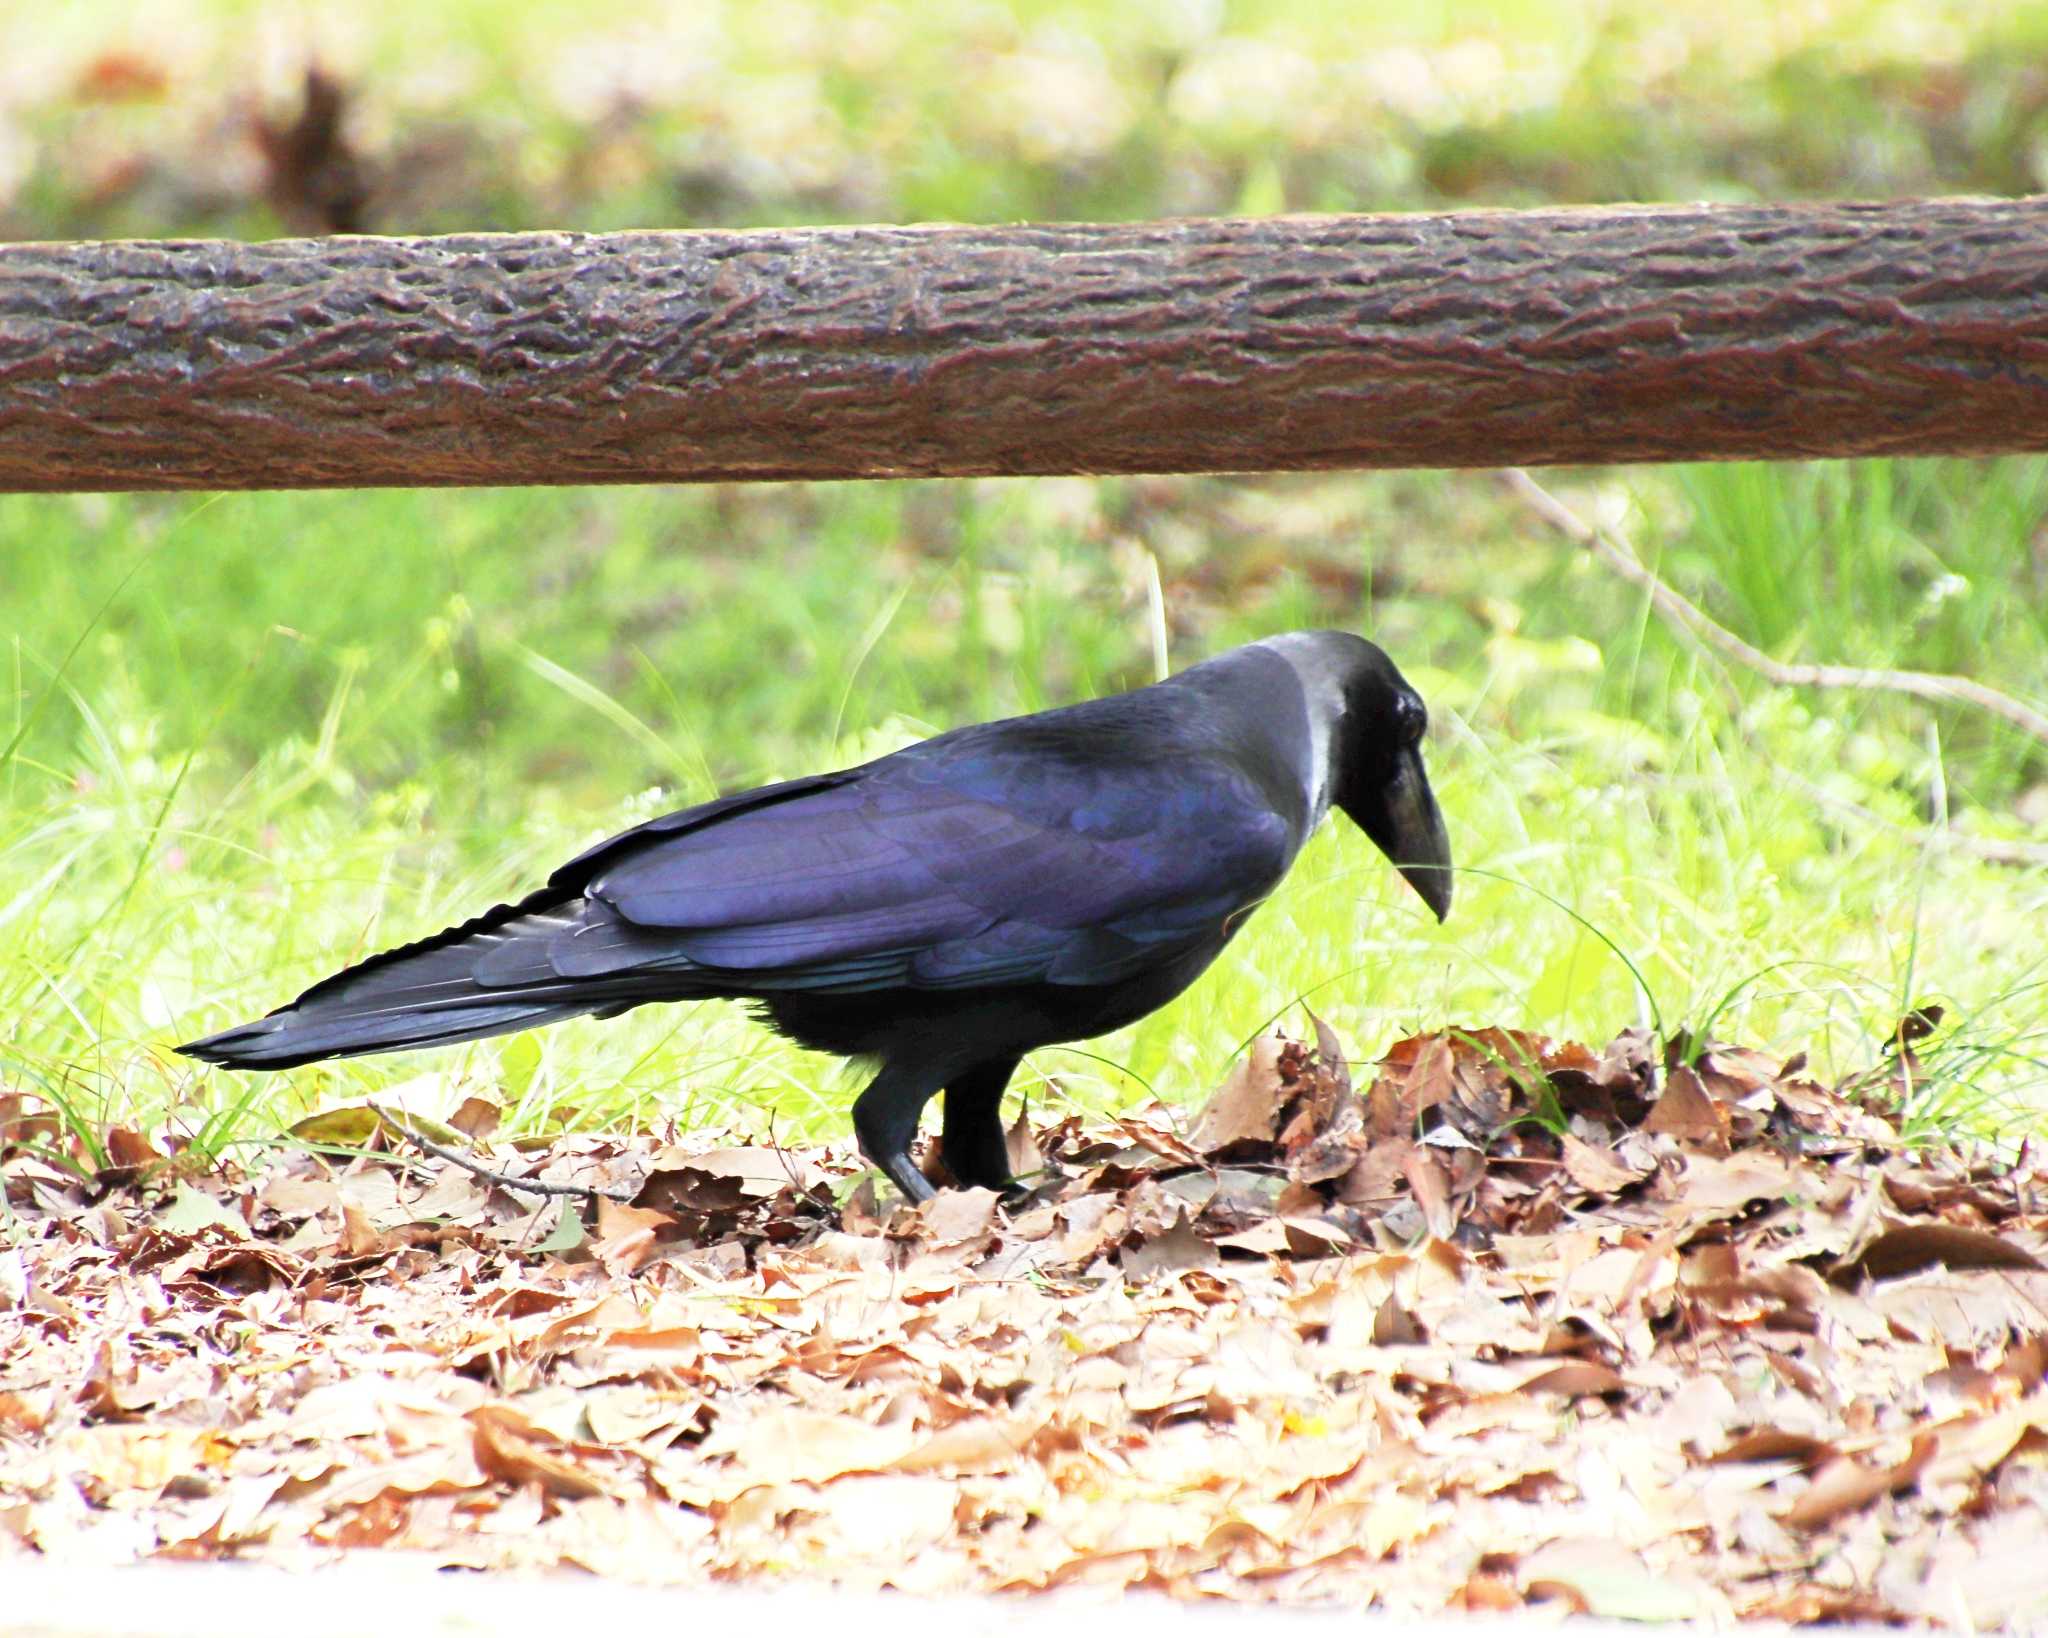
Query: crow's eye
[{"x": 1410, "y": 718}]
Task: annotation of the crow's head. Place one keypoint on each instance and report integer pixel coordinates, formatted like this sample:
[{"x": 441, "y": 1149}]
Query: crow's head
[{"x": 1369, "y": 723}]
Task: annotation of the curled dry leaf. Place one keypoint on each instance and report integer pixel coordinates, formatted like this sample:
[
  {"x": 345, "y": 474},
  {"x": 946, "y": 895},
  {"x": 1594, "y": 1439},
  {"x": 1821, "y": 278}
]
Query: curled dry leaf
[
  {"x": 509, "y": 1449},
  {"x": 626, "y": 1235}
]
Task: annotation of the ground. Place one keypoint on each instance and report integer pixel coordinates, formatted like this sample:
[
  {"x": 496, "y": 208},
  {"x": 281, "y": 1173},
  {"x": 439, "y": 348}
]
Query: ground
[{"x": 1653, "y": 1332}]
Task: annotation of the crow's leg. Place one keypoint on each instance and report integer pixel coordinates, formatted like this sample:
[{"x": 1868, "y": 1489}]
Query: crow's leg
[
  {"x": 974, "y": 1147},
  {"x": 885, "y": 1120}
]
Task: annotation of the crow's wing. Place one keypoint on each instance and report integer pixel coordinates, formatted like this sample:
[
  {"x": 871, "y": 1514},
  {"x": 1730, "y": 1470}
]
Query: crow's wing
[{"x": 990, "y": 868}]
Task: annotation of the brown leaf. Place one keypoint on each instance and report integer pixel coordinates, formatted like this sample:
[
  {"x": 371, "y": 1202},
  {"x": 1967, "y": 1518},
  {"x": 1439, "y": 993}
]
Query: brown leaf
[
  {"x": 1844, "y": 1485},
  {"x": 129, "y": 1153},
  {"x": 1247, "y": 1107},
  {"x": 1162, "y": 1140},
  {"x": 1606, "y": 1578},
  {"x": 1266, "y": 1238},
  {"x": 1575, "y": 1378},
  {"x": 1329, "y": 1155},
  {"x": 1026, "y": 1158},
  {"x": 1177, "y": 1251},
  {"x": 1426, "y": 1176},
  {"x": 977, "y": 1444},
  {"x": 1330, "y": 1053},
  {"x": 1775, "y": 1445},
  {"x": 626, "y": 1235},
  {"x": 359, "y": 1236},
  {"x": 1718, "y": 1183},
  {"x": 1915, "y": 1246},
  {"x": 1596, "y": 1168},
  {"x": 1393, "y": 1326},
  {"x": 1376, "y": 1173},
  {"x": 476, "y": 1117},
  {"x": 1315, "y": 1236},
  {"x": 1415, "y": 1076},
  {"x": 958, "y": 1217},
  {"x": 1684, "y": 1110},
  {"x": 506, "y": 1448}
]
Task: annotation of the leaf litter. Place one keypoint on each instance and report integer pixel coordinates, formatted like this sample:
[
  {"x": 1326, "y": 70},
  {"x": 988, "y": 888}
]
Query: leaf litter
[{"x": 1653, "y": 1331}]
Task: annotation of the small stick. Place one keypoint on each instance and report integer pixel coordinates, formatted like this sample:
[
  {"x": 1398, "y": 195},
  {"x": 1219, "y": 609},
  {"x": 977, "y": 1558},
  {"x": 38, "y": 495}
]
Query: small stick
[
  {"x": 1617, "y": 554},
  {"x": 531, "y": 1185},
  {"x": 1696, "y": 623}
]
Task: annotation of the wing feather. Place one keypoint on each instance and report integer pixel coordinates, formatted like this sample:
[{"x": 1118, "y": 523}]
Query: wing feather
[{"x": 946, "y": 875}]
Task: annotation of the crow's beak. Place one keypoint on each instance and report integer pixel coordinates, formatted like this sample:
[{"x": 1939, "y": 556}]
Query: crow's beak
[{"x": 1405, "y": 824}]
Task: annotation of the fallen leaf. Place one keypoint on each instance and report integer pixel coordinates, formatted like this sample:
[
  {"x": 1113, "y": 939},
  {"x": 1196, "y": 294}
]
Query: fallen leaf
[
  {"x": 1575, "y": 1378},
  {"x": 1426, "y": 1176},
  {"x": 1606, "y": 1579},
  {"x": 1844, "y": 1485},
  {"x": 505, "y": 1448},
  {"x": 193, "y": 1210},
  {"x": 1246, "y": 1108},
  {"x": 626, "y": 1235},
  {"x": 1596, "y": 1168},
  {"x": 1914, "y": 1246},
  {"x": 476, "y": 1117},
  {"x": 1684, "y": 1110},
  {"x": 959, "y": 1217},
  {"x": 1026, "y": 1158},
  {"x": 1176, "y": 1251},
  {"x": 568, "y": 1233}
]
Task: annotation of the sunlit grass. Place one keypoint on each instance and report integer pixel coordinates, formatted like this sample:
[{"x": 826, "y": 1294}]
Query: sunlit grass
[{"x": 263, "y": 760}]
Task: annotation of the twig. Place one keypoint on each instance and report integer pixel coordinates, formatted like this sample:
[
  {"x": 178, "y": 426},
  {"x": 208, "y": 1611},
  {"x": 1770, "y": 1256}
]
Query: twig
[
  {"x": 1609, "y": 546},
  {"x": 475, "y": 1168},
  {"x": 1611, "y": 549}
]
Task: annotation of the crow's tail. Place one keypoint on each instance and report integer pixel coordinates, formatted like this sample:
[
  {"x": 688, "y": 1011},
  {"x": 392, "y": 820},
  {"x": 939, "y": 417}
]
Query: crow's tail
[{"x": 486, "y": 977}]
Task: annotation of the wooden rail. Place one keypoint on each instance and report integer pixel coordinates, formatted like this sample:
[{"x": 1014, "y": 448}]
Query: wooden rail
[{"x": 1479, "y": 339}]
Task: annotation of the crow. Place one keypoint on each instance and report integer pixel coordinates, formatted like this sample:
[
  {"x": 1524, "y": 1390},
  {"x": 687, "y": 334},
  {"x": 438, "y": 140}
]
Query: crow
[{"x": 943, "y": 910}]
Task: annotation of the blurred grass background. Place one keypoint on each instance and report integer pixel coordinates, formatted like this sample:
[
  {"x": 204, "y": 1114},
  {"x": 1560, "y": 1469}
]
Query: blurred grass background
[{"x": 249, "y": 737}]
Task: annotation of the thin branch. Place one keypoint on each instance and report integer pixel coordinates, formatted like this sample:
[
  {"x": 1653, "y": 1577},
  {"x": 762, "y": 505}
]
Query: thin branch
[
  {"x": 1613, "y": 550},
  {"x": 475, "y": 1168},
  {"x": 1609, "y": 546}
]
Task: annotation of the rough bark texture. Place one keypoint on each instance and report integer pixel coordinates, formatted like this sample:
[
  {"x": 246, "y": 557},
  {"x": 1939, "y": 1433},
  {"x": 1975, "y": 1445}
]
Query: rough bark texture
[{"x": 1459, "y": 340}]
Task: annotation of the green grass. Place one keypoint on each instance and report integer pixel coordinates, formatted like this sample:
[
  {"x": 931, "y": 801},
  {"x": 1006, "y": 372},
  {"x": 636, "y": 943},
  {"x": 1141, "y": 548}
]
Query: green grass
[
  {"x": 251, "y": 737},
  {"x": 289, "y": 729}
]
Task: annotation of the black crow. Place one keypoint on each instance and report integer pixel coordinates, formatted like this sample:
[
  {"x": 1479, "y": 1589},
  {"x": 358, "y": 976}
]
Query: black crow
[{"x": 943, "y": 910}]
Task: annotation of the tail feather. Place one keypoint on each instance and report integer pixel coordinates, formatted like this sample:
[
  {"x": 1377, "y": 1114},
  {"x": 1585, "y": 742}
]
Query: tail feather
[
  {"x": 488, "y": 976},
  {"x": 284, "y": 1039}
]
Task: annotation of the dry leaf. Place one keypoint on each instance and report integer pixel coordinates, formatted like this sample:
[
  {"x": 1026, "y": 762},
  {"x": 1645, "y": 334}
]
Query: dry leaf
[
  {"x": 1246, "y": 1108},
  {"x": 1597, "y": 1168},
  {"x": 1684, "y": 1110},
  {"x": 1844, "y": 1484},
  {"x": 1914, "y": 1246},
  {"x": 505, "y": 1449}
]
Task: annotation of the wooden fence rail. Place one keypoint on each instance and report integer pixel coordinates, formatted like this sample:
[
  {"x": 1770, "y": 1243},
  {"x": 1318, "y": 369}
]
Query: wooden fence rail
[{"x": 1480, "y": 339}]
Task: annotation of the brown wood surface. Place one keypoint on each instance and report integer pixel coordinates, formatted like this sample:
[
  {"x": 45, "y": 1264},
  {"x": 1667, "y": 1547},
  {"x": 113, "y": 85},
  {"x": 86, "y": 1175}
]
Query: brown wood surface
[{"x": 1479, "y": 339}]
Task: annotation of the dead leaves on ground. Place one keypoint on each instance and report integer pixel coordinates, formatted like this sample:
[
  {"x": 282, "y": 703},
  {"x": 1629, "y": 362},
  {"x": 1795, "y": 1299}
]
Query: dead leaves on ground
[{"x": 1650, "y": 1331}]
